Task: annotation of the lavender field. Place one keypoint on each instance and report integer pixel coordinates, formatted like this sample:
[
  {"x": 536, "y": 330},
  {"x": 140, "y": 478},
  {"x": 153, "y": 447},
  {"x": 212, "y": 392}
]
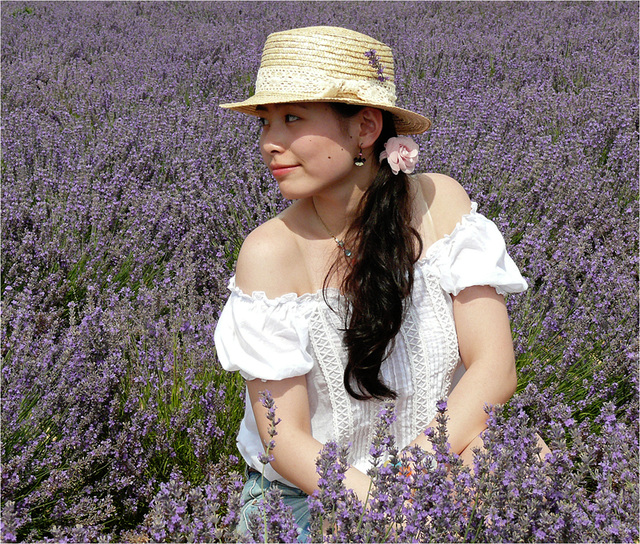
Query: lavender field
[{"x": 126, "y": 193}]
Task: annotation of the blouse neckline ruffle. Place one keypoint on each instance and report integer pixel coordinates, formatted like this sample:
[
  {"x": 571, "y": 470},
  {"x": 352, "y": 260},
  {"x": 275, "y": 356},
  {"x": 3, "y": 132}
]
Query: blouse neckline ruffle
[{"x": 431, "y": 254}]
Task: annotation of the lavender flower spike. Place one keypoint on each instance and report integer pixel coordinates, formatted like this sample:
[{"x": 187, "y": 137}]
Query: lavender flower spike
[
  {"x": 375, "y": 62},
  {"x": 267, "y": 401}
]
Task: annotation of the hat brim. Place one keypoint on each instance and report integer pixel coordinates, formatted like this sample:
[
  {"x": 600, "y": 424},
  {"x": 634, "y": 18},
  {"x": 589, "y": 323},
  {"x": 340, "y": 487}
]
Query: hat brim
[{"x": 407, "y": 122}]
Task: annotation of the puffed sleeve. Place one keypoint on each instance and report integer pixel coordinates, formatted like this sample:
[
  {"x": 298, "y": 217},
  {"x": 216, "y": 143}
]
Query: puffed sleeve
[
  {"x": 475, "y": 254},
  {"x": 263, "y": 338}
]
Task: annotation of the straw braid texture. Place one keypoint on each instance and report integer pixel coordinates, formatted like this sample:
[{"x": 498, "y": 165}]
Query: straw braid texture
[
  {"x": 330, "y": 48},
  {"x": 328, "y": 64}
]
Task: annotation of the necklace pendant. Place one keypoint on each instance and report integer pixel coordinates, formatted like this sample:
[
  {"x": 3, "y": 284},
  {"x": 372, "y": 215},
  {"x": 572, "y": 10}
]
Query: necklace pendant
[{"x": 339, "y": 243}]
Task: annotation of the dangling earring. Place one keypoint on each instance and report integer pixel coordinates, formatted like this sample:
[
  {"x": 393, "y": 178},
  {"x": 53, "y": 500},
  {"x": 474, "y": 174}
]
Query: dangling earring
[{"x": 359, "y": 160}]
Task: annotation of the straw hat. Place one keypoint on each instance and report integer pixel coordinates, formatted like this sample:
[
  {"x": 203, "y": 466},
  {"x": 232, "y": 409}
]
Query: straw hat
[{"x": 329, "y": 64}]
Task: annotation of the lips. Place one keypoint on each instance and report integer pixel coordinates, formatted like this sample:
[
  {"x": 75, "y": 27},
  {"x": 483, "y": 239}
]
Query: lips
[{"x": 282, "y": 169}]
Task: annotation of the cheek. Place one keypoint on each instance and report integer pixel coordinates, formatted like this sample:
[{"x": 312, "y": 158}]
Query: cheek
[{"x": 339, "y": 156}]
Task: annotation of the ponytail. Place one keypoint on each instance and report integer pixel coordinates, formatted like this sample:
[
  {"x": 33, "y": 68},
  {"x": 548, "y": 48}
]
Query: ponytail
[{"x": 379, "y": 282}]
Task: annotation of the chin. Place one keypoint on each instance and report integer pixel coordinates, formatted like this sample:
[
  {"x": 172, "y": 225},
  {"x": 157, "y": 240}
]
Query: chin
[{"x": 290, "y": 193}]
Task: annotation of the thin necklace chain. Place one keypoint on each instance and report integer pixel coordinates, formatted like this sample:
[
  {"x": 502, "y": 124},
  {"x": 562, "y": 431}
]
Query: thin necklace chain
[{"x": 339, "y": 243}]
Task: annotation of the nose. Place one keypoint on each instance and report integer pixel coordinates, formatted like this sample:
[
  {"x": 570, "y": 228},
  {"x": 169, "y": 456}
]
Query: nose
[
  {"x": 272, "y": 148},
  {"x": 272, "y": 141}
]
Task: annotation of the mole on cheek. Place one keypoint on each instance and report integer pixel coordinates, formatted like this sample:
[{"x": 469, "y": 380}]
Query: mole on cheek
[{"x": 328, "y": 157}]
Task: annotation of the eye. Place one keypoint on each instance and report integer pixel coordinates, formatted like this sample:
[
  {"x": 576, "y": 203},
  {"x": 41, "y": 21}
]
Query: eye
[
  {"x": 263, "y": 122},
  {"x": 289, "y": 118}
]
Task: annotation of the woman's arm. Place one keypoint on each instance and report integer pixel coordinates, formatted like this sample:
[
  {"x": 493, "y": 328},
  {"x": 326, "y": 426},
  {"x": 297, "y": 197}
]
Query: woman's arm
[
  {"x": 296, "y": 450},
  {"x": 482, "y": 326},
  {"x": 486, "y": 350}
]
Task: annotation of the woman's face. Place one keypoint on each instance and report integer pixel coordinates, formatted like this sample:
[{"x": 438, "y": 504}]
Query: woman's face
[{"x": 307, "y": 147}]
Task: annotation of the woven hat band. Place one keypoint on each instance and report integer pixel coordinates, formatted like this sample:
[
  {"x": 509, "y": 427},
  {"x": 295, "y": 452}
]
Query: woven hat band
[{"x": 316, "y": 84}]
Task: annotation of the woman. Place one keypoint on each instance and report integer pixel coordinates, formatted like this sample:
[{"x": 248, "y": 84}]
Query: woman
[{"x": 373, "y": 284}]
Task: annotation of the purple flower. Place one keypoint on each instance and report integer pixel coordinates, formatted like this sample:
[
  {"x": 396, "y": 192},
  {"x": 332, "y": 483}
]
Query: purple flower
[{"x": 376, "y": 63}]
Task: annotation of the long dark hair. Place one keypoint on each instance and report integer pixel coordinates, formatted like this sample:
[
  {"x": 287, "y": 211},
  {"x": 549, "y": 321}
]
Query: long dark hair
[{"x": 379, "y": 276}]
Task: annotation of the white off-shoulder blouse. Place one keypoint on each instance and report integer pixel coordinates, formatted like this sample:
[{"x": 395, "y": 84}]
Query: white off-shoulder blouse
[{"x": 277, "y": 338}]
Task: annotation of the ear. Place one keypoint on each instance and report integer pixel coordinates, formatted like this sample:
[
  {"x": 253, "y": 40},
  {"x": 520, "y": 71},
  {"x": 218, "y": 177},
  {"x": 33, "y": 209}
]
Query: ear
[{"x": 370, "y": 126}]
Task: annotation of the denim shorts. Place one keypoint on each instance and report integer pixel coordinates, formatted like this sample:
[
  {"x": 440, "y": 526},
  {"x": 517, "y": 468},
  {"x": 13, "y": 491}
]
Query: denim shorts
[{"x": 253, "y": 495}]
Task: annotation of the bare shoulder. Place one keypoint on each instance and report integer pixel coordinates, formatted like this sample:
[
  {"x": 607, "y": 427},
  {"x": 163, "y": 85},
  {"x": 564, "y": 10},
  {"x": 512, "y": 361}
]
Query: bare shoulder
[
  {"x": 446, "y": 200},
  {"x": 268, "y": 259}
]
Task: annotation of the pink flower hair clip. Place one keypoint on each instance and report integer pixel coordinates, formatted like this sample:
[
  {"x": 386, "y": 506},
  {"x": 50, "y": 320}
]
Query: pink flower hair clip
[{"x": 401, "y": 153}]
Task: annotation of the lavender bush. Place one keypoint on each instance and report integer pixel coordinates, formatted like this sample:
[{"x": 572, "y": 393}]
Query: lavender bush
[
  {"x": 511, "y": 494},
  {"x": 126, "y": 193}
]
